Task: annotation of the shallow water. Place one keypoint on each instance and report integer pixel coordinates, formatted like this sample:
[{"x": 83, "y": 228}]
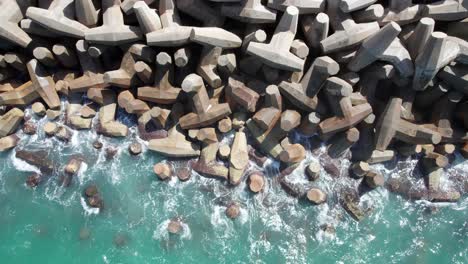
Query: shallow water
[{"x": 43, "y": 225}]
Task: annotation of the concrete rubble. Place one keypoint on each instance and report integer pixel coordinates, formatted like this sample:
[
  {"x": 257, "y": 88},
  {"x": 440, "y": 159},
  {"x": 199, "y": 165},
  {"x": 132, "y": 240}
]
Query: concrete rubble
[{"x": 373, "y": 80}]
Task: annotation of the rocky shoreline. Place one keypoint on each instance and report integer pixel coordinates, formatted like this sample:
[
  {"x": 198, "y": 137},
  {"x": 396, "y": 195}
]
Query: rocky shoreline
[{"x": 372, "y": 82}]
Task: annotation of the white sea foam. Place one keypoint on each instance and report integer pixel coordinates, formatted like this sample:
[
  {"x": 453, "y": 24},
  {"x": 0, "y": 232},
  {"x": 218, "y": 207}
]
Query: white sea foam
[
  {"x": 220, "y": 221},
  {"x": 22, "y": 165},
  {"x": 81, "y": 175},
  {"x": 87, "y": 209}
]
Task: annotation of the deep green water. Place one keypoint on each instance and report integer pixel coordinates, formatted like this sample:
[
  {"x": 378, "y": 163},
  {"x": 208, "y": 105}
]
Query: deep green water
[{"x": 43, "y": 225}]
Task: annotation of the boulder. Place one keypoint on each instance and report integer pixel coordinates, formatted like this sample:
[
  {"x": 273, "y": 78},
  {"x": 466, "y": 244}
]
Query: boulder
[
  {"x": 114, "y": 129},
  {"x": 87, "y": 112},
  {"x": 135, "y": 148},
  {"x": 313, "y": 170},
  {"x": 359, "y": 169},
  {"x": 233, "y": 211},
  {"x": 374, "y": 179},
  {"x": 256, "y": 182},
  {"x": 73, "y": 166},
  {"x": 50, "y": 129},
  {"x": 108, "y": 126},
  {"x": 224, "y": 151},
  {"x": 293, "y": 153},
  {"x": 350, "y": 203},
  {"x": 53, "y": 114},
  {"x": 163, "y": 171},
  {"x": 64, "y": 134},
  {"x": 225, "y": 125},
  {"x": 175, "y": 145},
  {"x": 36, "y": 158},
  {"x": 316, "y": 196},
  {"x": 10, "y": 121},
  {"x": 39, "y": 109},
  {"x": 239, "y": 158},
  {"x": 111, "y": 152},
  {"x": 8, "y": 142},
  {"x": 79, "y": 122},
  {"x": 95, "y": 201}
]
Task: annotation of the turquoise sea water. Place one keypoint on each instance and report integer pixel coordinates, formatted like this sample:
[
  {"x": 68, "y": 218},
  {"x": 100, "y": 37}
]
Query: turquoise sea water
[{"x": 43, "y": 225}]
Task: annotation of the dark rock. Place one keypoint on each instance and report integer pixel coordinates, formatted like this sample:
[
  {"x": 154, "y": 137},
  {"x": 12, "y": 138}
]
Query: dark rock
[
  {"x": 95, "y": 201},
  {"x": 29, "y": 128},
  {"x": 65, "y": 180},
  {"x": 111, "y": 152},
  {"x": 257, "y": 157},
  {"x": 97, "y": 144},
  {"x": 330, "y": 167},
  {"x": 36, "y": 158},
  {"x": 147, "y": 134},
  {"x": 293, "y": 189},
  {"x": 91, "y": 191},
  {"x": 350, "y": 202},
  {"x": 33, "y": 180}
]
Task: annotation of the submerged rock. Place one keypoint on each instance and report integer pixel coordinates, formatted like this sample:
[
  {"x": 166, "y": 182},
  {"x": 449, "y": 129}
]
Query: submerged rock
[
  {"x": 36, "y": 158},
  {"x": 111, "y": 152},
  {"x": 174, "y": 226},
  {"x": 65, "y": 180},
  {"x": 95, "y": 201},
  {"x": 93, "y": 197},
  {"x": 184, "y": 174},
  {"x": 91, "y": 191},
  {"x": 97, "y": 144},
  {"x": 135, "y": 148},
  {"x": 120, "y": 240},
  {"x": 233, "y": 211},
  {"x": 84, "y": 233},
  {"x": 33, "y": 180}
]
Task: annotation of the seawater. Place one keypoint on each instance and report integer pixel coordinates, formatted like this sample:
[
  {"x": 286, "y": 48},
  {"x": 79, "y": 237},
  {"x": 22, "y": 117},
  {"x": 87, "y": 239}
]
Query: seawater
[{"x": 42, "y": 225}]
